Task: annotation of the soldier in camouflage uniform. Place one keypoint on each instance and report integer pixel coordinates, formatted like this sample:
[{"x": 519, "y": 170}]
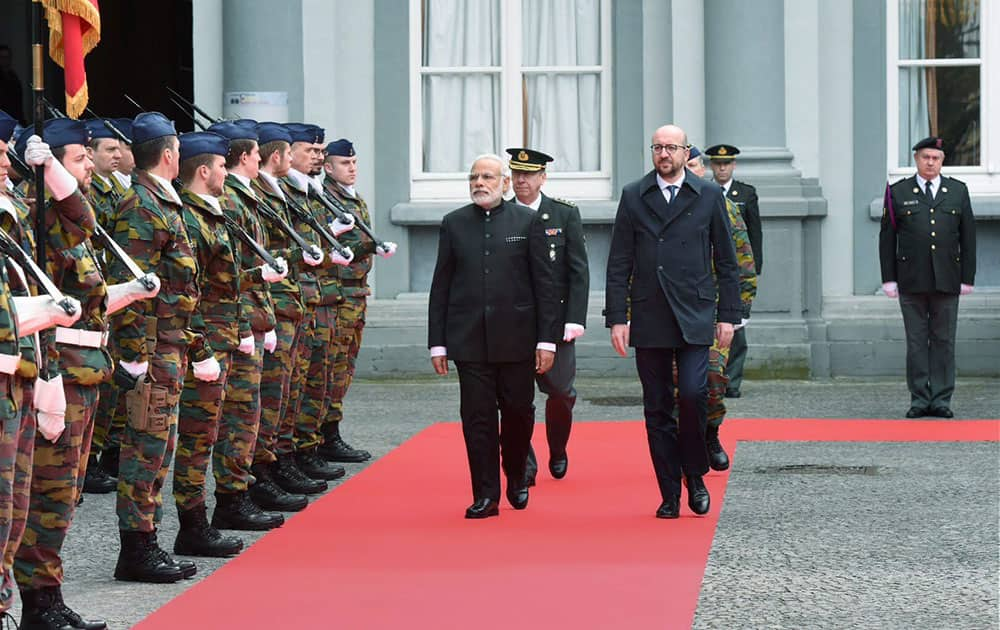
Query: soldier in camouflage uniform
[
  {"x": 310, "y": 378},
  {"x": 215, "y": 326},
  {"x": 341, "y": 167},
  {"x": 717, "y": 356},
  {"x": 278, "y": 475},
  {"x": 153, "y": 338},
  {"x": 232, "y": 455}
]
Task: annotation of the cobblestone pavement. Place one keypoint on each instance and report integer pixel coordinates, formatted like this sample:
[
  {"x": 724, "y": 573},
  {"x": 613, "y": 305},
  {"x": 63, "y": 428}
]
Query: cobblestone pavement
[{"x": 912, "y": 546}]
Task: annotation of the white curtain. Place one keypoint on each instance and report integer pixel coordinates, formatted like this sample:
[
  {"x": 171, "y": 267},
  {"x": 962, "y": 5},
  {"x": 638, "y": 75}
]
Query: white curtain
[
  {"x": 461, "y": 112},
  {"x": 914, "y": 117},
  {"x": 563, "y": 111}
]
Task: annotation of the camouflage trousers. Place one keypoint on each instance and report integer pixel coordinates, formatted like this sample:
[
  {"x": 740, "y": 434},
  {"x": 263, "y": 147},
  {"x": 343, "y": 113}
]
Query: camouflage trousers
[
  {"x": 315, "y": 397},
  {"x": 350, "y": 327},
  {"x": 300, "y": 368},
  {"x": 275, "y": 387},
  {"x": 146, "y": 453},
  {"x": 57, "y": 479},
  {"x": 16, "y": 422},
  {"x": 109, "y": 420},
  {"x": 240, "y": 419},
  {"x": 717, "y": 383},
  {"x": 197, "y": 432}
]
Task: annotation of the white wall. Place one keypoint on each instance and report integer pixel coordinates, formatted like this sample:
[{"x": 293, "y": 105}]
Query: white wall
[
  {"x": 208, "y": 47},
  {"x": 688, "y": 57}
]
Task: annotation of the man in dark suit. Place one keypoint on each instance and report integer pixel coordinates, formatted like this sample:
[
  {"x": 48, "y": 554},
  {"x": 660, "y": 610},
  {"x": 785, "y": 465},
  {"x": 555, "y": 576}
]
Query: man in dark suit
[
  {"x": 567, "y": 252},
  {"x": 927, "y": 251},
  {"x": 670, "y": 247},
  {"x": 723, "y": 161},
  {"x": 493, "y": 311}
]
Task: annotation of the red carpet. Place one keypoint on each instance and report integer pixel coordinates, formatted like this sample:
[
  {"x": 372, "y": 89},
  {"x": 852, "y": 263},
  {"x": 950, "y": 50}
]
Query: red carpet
[{"x": 390, "y": 549}]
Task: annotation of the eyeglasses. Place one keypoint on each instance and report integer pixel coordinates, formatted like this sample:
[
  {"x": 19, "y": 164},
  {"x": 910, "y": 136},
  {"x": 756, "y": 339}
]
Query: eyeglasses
[
  {"x": 486, "y": 177},
  {"x": 669, "y": 148}
]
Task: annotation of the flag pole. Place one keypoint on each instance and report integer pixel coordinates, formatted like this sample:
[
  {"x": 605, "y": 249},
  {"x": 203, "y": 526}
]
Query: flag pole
[{"x": 38, "y": 90}]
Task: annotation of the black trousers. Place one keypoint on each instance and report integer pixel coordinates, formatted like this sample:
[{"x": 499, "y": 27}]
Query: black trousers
[
  {"x": 676, "y": 445},
  {"x": 737, "y": 357},
  {"x": 486, "y": 388},
  {"x": 930, "y": 321},
  {"x": 557, "y": 384}
]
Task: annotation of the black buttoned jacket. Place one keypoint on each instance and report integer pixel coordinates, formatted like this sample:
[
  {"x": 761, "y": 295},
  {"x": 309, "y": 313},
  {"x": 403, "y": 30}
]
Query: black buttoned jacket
[{"x": 567, "y": 251}]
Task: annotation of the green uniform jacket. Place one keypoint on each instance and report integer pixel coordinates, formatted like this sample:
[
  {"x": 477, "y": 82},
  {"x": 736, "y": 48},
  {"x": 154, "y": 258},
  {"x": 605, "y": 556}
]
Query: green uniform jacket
[
  {"x": 310, "y": 278},
  {"x": 744, "y": 258},
  {"x": 240, "y": 204},
  {"x": 104, "y": 197},
  {"x": 353, "y": 276},
  {"x": 745, "y": 196},
  {"x": 286, "y": 295}
]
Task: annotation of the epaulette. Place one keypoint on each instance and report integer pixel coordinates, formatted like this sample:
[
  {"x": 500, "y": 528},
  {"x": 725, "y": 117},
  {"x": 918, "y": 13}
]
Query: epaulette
[{"x": 565, "y": 202}]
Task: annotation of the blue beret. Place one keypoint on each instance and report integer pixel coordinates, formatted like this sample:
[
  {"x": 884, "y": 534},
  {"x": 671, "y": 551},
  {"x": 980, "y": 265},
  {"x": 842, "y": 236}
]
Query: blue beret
[
  {"x": 932, "y": 142},
  {"x": 272, "y": 132},
  {"x": 150, "y": 126},
  {"x": 302, "y": 132},
  {"x": 320, "y": 134},
  {"x": 98, "y": 129},
  {"x": 342, "y": 147},
  {"x": 21, "y": 140},
  {"x": 234, "y": 130},
  {"x": 62, "y": 131},
  {"x": 246, "y": 122},
  {"x": 694, "y": 152},
  {"x": 199, "y": 142},
  {"x": 124, "y": 125},
  {"x": 7, "y": 125}
]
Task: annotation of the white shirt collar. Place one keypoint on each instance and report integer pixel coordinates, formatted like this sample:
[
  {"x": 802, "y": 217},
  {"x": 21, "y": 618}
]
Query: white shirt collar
[
  {"x": 212, "y": 201},
  {"x": 273, "y": 182},
  {"x": 935, "y": 183},
  {"x": 299, "y": 180},
  {"x": 123, "y": 179},
  {"x": 107, "y": 182},
  {"x": 662, "y": 183},
  {"x": 168, "y": 187},
  {"x": 350, "y": 190},
  {"x": 243, "y": 179},
  {"x": 534, "y": 205},
  {"x": 7, "y": 206}
]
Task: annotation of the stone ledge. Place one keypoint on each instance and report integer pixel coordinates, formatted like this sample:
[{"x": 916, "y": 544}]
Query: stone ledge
[{"x": 984, "y": 207}]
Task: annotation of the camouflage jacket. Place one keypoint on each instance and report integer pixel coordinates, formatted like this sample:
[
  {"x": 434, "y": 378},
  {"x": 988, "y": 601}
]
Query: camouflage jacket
[
  {"x": 744, "y": 257},
  {"x": 20, "y": 282},
  {"x": 354, "y": 276},
  {"x": 9, "y": 344},
  {"x": 310, "y": 278},
  {"x": 257, "y": 310},
  {"x": 286, "y": 295},
  {"x": 104, "y": 197},
  {"x": 215, "y": 321},
  {"x": 151, "y": 230}
]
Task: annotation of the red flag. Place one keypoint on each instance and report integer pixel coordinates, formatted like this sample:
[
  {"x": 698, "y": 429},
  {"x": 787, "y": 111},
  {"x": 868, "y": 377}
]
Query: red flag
[{"x": 74, "y": 30}]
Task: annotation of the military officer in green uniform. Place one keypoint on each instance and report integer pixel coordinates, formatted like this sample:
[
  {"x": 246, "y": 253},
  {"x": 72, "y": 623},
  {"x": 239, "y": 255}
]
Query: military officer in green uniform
[
  {"x": 567, "y": 253},
  {"x": 927, "y": 251}
]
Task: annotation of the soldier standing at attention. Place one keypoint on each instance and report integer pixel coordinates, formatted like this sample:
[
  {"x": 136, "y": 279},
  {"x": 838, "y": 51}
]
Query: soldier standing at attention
[
  {"x": 123, "y": 174},
  {"x": 927, "y": 251},
  {"x": 153, "y": 339},
  {"x": 723, "y": 161},
  {"x": 341, "y": 167},
  {"x": 567, "y": 253}
]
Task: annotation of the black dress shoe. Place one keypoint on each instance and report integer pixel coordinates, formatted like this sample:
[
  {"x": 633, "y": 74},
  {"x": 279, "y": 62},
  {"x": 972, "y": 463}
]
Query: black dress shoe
[
  {"x": 558, "y": 465},
  {"x": 291, "y": 479},
  {"x": 316, "y": 467},
  {"x": 916, "y": 412},
  {"x": 698, "y": 499},
  {"x": 335, "y": 449},
  {"x": 733, "y": 393},
  {"x": 941, "y": 412},
  {"x": 518, "y": 496},
  {"x": 96, "y": 480},
  {"x": 483, "y": 508},
  {"x": 670, "y": 508},
  {"x": 717, "y": 458}
]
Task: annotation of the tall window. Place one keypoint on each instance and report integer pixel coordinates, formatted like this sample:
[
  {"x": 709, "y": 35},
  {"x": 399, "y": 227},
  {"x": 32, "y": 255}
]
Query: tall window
[
  {"x": 491, "y": 74},
  {"x": 944, "y": 80}
]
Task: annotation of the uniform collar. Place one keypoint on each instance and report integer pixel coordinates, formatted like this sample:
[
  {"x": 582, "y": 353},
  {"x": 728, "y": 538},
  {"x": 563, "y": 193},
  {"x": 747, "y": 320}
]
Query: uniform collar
[
  {"x": 534, "y": 205},
  {"x": 166, "y": 187}
]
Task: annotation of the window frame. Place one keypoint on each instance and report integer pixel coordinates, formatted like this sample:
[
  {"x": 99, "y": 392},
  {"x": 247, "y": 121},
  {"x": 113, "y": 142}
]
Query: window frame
[
  {"x": 431, "y": 186},
  {"x": 985, "y": 178}
]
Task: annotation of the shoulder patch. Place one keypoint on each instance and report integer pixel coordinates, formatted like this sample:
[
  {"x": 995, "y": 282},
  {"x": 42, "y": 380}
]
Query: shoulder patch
[{"x": 565, "y": 202}]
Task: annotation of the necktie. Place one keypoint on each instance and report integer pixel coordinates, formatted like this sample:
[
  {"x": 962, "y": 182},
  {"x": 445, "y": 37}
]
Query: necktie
[
  {"x": 673, "y": 191},
  {"x": 930, "y": 192}
]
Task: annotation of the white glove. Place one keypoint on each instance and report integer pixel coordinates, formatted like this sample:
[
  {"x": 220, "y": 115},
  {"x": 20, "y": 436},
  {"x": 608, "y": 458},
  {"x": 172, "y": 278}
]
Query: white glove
[
  {"x": 313, "y": 256},
  {"x": 135, "y": 368},
  {"x": 50, "y": 407},
  {"x": 269, "y": 274},
  {"x": 966, "y": 289},
  {"x": 743, "y": 322},
  {"x": 337, "y": 259},
  {"x": 340, "y": 226},
  {"x": 891, "y": 289},
  {"x": 247, "y": 345},
  {"x": 41, "y": 312},
  {"x": 58, "y": 180},
  {"x": 387, "y": 249},
  {"x": 572, "y": 331},
  {"x": 208, "y": 370},
  {"x": 270, "y": 340},
  {"x": 121, "y": 295}
]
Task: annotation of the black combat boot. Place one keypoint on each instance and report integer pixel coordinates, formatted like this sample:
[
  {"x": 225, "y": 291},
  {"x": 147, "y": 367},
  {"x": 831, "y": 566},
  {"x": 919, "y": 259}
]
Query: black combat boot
[
  {"x": 335, "y": 449},
  {"x": 197, "y": 538},
  {"x": 74, "y": 619},
  {"x": 717, "y": 457},
  {"x": 236, "y": 511},
  {"x": 109, "y": 460},
  {"x": 39, "y": 611},
  {"x": 97, "y": 481},
  {"x": 316, "y": 467},
  {"x": 269, "y": 496},
  {"x": 142, "y": 560},
  {"x": 290, "y": 477}
]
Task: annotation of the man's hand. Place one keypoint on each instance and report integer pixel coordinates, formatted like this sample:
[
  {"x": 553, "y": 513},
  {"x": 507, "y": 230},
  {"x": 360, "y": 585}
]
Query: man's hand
[
  {"x": 891, "y": 289},
  {"x": 386, "y": 249},
  {"x": 619, "y": 338},
  {"x": 543, "y": 361},
  {"x": 440, "y": 364},
  {"x": 572, "y": 331},
  {"x": 724, "y": 333},
  {"x": 965, "y": 289}
]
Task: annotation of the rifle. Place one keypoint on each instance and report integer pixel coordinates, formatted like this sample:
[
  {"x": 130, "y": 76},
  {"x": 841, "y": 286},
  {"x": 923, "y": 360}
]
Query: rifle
[
  {"x": 190, "y": 115},
  {"x": 332, "y": 202},
  {"x": 132, "y": 100},
  {"x": 272, "y": 216},
  {"x": 252, "y": 243},
  {"x": 305, "y": 215},
  {"x": 10, "y": 247},
  {"x": 193, "y": 106},
  {"x": 110, "y": 126}
]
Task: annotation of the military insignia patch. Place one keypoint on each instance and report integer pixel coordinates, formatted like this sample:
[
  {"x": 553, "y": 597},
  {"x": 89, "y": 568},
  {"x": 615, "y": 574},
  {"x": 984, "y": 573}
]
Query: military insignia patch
[
  {"x": 553, "y": 231},
  {"x": 523, "y": 156},
  {"x": 722, "y": 151}
]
